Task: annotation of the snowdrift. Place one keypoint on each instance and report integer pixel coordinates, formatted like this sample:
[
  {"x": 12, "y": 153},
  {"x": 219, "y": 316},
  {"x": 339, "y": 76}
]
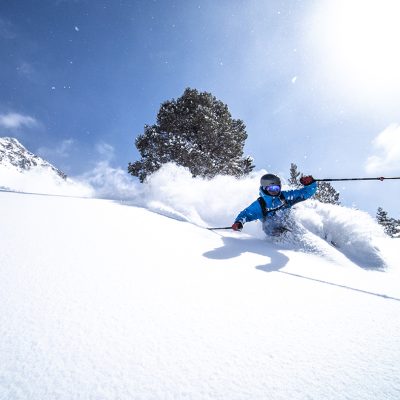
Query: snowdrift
[{"x": 42, "y": 182}]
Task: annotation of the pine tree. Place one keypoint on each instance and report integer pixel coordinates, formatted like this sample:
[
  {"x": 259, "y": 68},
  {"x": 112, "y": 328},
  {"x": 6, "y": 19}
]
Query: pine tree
[
  {"x": 391, "y": 226},
  {"x": 294, "y": 176},
  {"x": 196, "y": 131},
  {"x": 396, "y": 228},
  {"x": 326, "y": 193}
]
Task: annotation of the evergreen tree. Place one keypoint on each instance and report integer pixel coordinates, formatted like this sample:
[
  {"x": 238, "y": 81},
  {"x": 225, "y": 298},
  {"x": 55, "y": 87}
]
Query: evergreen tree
[
  {"x": 196, "y": 131},
  {"x": 391, "y": 226},
  {"x": 396, "y": 232},
  {"x": 294, "y": 176},
  {"x": 381, "y": 216},
  {"x": 326, "y": 193}
]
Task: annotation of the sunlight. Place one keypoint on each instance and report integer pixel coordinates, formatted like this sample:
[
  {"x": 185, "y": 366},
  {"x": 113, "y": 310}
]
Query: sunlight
[{"x": 358, "y": 45}]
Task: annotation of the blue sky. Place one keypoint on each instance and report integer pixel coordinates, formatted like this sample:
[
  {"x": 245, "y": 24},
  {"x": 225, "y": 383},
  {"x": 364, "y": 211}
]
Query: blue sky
[{"x": 315, "y": 82}]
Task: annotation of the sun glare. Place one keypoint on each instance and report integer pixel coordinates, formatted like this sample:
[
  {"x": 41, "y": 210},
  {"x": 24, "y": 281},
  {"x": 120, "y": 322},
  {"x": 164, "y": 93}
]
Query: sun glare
[{"x": 358, "y": 44}]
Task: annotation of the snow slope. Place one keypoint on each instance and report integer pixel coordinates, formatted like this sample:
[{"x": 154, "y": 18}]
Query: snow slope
[{"x": 107, "y": 300}]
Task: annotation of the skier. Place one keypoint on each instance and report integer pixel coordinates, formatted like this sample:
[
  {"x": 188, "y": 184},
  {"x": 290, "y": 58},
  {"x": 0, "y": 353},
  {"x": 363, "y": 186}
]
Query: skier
[{"x": 272, "y": 205}]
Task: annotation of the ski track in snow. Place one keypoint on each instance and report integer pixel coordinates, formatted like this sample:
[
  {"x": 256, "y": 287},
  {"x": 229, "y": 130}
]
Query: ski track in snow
[{"x": 100, "y": 300}]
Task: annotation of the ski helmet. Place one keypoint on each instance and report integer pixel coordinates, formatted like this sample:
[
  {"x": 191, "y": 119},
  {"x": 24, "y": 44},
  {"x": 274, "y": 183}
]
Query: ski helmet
[
  {"x": 268, "y": 182},
  {"x": 270, "y": 179}
]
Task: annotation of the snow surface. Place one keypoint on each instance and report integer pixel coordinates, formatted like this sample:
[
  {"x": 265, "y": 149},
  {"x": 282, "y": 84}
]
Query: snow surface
[{"x": 103, "y": 299}]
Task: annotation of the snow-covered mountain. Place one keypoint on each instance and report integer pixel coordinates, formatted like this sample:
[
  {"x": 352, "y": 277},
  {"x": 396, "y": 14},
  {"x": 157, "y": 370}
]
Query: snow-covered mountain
[
  {"x": 14, "y": 155},
  {"x": 23, "y": 171},
  {"x": 109, "y": 301}
]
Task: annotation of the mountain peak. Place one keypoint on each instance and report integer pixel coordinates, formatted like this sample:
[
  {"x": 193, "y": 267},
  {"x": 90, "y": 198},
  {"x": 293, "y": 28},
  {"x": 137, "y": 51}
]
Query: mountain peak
[{"x": 14, "y": 155}]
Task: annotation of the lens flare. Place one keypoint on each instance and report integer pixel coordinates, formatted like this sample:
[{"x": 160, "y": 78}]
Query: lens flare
[{"x": 357, "y": 43}]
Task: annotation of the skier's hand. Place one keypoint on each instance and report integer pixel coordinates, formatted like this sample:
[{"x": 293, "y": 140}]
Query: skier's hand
[
  {"x": 237, "y": 226},
  {"x": 307, "y": 180}
]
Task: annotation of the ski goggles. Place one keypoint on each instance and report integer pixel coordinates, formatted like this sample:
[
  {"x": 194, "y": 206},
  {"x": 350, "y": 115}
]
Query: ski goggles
[{"x": 271, "y": 188}]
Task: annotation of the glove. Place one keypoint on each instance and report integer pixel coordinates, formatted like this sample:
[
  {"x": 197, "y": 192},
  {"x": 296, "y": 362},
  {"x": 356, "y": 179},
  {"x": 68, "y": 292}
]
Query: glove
[
  {"x": 307, "y": 180},
  {"x": 237, "y": 226}
]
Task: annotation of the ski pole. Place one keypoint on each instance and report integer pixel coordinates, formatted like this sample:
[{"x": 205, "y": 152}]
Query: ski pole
[
  {"x": 223, "y": 227},
  {"x": 381, "y": 178}
]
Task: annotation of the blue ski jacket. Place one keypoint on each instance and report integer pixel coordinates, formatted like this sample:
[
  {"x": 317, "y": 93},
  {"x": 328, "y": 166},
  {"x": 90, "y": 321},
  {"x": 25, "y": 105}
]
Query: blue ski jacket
[{"x": 274, "y": 204}]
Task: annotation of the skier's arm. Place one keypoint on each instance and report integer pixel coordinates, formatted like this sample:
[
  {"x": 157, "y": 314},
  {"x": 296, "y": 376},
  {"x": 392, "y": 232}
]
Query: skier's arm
[
  {"x": 251, "y": 213},
  {"x": 298, "y": 195}
]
